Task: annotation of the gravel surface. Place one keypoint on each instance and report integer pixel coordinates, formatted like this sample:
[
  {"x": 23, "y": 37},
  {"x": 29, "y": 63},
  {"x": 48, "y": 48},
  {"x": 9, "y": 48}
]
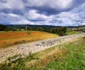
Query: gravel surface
[{"x": 25, "y": 49}]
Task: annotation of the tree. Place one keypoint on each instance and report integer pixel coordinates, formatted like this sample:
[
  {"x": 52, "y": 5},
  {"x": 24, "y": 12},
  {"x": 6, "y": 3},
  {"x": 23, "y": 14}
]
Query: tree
[
  {"x": 29, "y": 28},
  {"x": 3, "y": 27},
  {"x": 40, "y": 29}
]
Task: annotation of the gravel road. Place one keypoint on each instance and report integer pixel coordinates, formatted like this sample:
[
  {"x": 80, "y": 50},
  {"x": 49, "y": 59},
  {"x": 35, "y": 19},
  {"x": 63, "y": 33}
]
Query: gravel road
[{"x": 37, "y": 46}]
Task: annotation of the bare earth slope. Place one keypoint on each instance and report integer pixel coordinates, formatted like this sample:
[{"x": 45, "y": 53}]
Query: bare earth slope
[{"x": 25, "y": 49}]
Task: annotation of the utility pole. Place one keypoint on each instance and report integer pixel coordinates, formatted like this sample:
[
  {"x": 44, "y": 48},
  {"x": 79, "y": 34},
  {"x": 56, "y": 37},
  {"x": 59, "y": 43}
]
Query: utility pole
[{"x": 26, "y": 28}]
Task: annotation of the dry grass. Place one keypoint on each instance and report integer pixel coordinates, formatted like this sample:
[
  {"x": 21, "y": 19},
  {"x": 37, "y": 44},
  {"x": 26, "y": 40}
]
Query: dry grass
[
  {"x": 59, "y": 53},
  {"x": 10, "y": 35},
  {"x": 41, "y": 59},
  {"x": 13, "y": 38}
]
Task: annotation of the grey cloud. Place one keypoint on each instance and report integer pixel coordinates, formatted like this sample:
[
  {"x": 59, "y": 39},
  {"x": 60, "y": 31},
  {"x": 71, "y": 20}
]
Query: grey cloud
[{"x": 49, "y": 12}]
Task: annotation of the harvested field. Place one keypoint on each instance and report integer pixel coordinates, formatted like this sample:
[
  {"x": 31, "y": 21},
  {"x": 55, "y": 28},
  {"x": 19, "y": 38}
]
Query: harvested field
[
  {"x": 13, "y": 38},
  {"x": 10, "y": 35}
]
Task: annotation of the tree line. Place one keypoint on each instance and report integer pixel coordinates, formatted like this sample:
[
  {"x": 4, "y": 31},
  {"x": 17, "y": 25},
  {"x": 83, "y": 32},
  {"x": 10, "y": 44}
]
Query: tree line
[
  {"x": 56, "y": 30},
  {"x": 51, "y": 29},
  {"x": 3, "y": 27}
]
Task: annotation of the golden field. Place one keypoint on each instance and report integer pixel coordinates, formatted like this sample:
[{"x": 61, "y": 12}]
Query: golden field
[{"x": 13, "y": 38}]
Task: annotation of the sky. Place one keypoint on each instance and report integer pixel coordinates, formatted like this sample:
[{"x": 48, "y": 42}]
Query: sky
[{"x": 43, "y": 12}]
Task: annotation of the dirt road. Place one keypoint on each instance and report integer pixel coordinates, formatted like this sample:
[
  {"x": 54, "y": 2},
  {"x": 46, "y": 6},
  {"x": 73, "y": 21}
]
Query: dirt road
[{"x": 37, "y": 46}]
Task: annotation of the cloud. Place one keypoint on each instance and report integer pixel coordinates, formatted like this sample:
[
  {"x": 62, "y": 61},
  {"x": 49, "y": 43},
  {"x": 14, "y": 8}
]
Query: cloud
[
  {"x": 9, "y": 17},
  {"x": 42, "y": 6},
  {"x": 34, "y": 15},
  {"x": 71, "y": 18},
  {"x": 49, "y": 7},
  {"x": 42, "y": 12},
  {"x": 11, "y": 4},
  {"x": 56, "y": 4},
  {"x": 13, "y": 15},
  {"x": 23, "y": 21}
]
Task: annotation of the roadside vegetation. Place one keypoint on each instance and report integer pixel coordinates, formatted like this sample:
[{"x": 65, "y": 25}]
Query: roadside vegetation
[
  {"x": 70, "y": 56},
  {"x": 73, "y": 60}
]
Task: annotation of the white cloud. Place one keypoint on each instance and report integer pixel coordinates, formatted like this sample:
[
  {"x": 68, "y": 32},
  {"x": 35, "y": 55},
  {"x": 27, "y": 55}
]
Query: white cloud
[
  {"x": 64, "y": 18},
  {"x": 56, "y": 4},
  {"x": 13, "y": 15},
  {"x": 83, "y": 23},
  {"x": 12, "y": 4},
  {"x": 61, "y": 4},
  {"x": 9, "y": 17},
  {"x": 34, "y": 15},
  {"x": 19, "y": 4},
  {"x": 23, "y": 21}
]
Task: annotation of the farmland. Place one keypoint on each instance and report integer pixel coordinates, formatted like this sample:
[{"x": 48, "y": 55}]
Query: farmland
[
  {"x": 41, "y": 48},
  {"x": 13, "y": 38},
  {"x": 42, "y": 34},
  {"x": 69, "y": 54}
]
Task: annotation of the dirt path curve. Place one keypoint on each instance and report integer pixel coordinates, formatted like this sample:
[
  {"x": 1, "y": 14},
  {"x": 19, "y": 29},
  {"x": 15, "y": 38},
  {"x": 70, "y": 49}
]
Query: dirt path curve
[{"x": 37, "y": 46}]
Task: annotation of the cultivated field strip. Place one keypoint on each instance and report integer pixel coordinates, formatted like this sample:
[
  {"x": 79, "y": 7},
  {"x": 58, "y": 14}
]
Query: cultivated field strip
[{"x": 25, "y": 49}]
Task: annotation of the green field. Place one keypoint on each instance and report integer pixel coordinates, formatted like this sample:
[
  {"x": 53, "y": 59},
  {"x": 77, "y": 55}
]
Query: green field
[
  {"x": 73, "y": 60},
  {"x": 70, "y": 32}
]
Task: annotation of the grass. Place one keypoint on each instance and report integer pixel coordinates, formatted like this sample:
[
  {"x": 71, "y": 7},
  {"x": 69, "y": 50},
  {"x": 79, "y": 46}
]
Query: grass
[
  {"x": 30, "y": 62},
  {"x": 72, "y": 32},
  {"x": 63, "y": 57},
  {"x": 73, "y": 60},
  {"x": 13, "y": 38}
]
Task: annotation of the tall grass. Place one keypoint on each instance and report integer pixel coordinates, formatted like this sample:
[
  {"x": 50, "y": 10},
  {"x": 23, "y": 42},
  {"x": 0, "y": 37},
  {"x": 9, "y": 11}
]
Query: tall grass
[{"x": 74, "y": 59}]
